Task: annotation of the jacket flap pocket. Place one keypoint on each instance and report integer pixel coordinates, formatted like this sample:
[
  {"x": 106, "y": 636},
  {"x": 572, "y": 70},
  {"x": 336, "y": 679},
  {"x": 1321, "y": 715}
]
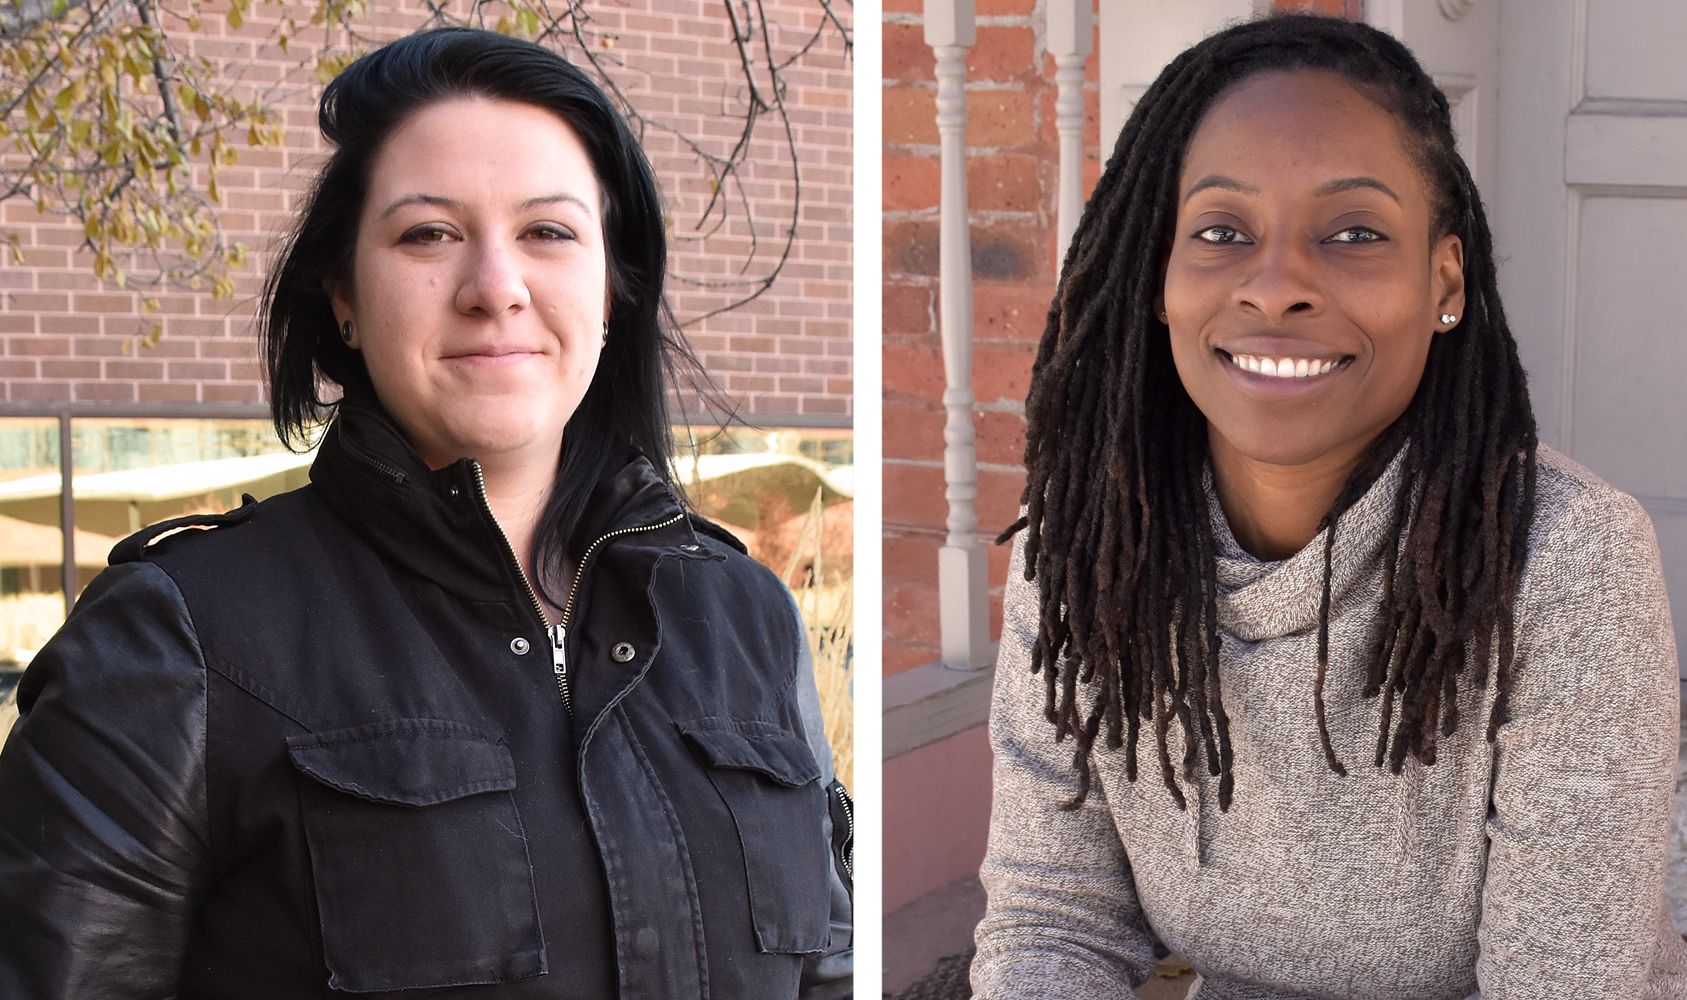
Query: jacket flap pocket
[
  {"x": 405, "y": 762},
  {"x": 753, "y": 746}
]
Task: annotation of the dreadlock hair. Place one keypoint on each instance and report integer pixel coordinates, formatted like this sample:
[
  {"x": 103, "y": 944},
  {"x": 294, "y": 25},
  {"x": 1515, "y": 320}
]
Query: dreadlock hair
[{"x": 1119, "y": 538}]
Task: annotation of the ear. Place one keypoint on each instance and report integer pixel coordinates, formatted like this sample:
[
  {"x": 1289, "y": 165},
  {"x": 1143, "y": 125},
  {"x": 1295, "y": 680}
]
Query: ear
[
  {"x": 1446, "y": 263},
  {"x": 339, "y": 297}
]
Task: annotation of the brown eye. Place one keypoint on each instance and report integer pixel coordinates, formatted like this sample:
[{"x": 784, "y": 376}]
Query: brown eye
[
  {"x": 428, "y": 234},
  {"x": 1221, "y": 235},
  {"x": 550, "y": 231},
  {"x": 1357, "y": 234}
]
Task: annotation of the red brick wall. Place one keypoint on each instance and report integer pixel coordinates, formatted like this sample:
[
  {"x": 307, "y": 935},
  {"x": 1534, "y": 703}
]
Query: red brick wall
[
  {"x": 64, "y": 337},
  {"x": 1012, "y": 181}
]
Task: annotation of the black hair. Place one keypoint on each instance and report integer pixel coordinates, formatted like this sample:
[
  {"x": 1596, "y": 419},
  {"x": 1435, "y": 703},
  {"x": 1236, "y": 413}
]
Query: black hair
[
  {"x": 626, "y": 405},
  {"x": 1119, "y": 538}
]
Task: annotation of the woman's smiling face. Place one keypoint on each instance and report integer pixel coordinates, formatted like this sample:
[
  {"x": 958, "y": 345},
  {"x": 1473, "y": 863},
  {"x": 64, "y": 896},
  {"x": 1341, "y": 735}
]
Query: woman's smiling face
[
  {"x": 480, "y": 283},
  {"x": 1303, "y": 236}
]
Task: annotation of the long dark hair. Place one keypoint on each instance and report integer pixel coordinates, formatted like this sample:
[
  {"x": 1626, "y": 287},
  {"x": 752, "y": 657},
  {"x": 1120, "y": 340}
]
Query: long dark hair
[
  {"x": 626, "y": 403},
  {"x": 1119, "y": 539}
]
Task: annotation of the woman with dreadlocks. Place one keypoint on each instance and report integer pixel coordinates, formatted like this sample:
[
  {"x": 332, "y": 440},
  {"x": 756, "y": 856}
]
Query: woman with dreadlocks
[{"x": 1316, "y": 667}]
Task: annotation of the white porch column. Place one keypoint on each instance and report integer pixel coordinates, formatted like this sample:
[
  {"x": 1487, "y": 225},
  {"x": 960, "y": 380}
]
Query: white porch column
[
  {"x": 1071, "y": 37},
  {"x": 963, "y": 582}
]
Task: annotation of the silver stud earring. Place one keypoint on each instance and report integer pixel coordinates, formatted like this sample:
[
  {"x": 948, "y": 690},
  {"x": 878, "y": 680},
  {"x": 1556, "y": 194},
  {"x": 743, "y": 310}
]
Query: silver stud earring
[
  {"x": 1449, "y": 318},
  {"x": 606, "y": 331},
  {"x": 345, "y": 332}
]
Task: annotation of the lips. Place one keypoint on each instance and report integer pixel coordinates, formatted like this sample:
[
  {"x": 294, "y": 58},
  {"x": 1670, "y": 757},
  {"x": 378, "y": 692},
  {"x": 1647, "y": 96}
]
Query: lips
[{"x": 489, "y": 352}]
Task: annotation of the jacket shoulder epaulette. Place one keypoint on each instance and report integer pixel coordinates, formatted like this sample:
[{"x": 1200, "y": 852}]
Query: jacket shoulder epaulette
[
  {"x": 715, "y": 531},
  {"x": 134, "y": 547}
]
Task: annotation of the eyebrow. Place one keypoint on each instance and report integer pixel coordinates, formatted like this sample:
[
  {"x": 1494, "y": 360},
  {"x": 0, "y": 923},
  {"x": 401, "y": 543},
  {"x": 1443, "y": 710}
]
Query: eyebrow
[
  {"x": 1350, "y": 183},
  {"x": 1222, "y": 182},
  {"x": 526, "y": 206},
  {"x": 1324, "y": 190}
]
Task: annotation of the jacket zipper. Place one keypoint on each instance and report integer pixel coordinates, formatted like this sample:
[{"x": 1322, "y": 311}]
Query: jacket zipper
[
  {"x": 849, "y": 817},
  {"x": 559, "y": 631},
  {"x": 374, "y": 463},
  {"x": 556, "y": 634}
]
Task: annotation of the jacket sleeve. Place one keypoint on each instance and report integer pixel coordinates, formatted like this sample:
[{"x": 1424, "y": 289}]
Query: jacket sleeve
[
  {"x": 1585, "y": 762},
  {"x": 831, "y": 973},
  {"x": 103, "y": 818},
  {"x": 1062, "y": 919}
]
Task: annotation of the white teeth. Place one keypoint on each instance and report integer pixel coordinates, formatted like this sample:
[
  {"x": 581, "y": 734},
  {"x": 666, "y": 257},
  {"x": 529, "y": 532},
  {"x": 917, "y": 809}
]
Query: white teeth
[{"x": 1282, "y": 367}]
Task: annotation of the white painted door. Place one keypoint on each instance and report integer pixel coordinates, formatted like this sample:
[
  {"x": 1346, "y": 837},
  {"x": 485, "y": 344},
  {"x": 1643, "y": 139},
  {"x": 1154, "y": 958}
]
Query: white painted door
[{"x": 1591, "y": 225}]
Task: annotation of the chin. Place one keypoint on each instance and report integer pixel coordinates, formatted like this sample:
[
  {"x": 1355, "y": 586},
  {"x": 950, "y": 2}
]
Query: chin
[
  {"x": 1282, "y": 446},
  {"x": 499, "y": 428}
]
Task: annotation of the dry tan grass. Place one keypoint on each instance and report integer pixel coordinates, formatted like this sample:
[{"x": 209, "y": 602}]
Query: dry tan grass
[
  {"x": 27, "y": 621},
  {"x": 827, "y": 602}
]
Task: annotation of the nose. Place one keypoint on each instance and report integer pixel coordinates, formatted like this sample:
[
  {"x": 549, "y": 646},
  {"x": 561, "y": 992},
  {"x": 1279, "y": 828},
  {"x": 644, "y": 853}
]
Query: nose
[
  {"x": 494, "y": 284},
  {"x": 1282, "y": 282}
]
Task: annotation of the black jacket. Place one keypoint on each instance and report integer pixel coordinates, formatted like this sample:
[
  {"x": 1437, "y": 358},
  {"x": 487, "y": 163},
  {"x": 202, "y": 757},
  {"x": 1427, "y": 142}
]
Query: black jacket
[{"x": 319, "y": 744}]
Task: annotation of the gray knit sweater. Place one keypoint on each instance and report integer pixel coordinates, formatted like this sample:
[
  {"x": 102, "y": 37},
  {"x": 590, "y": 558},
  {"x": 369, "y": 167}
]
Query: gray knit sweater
[{"x": 1528, "y": 868}]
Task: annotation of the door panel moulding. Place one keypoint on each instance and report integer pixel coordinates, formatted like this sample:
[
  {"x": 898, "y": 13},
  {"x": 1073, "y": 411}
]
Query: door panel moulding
[{"x": 1638, "y": 151}]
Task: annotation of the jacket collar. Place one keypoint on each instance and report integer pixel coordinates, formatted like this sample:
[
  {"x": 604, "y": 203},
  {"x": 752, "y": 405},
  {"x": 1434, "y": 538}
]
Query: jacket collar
[{"x": 435, "y": 523}]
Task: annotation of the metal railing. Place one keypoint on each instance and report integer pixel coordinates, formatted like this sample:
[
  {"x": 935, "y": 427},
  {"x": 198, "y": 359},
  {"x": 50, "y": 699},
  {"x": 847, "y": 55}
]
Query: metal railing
[{"x": 66, "y": 413}]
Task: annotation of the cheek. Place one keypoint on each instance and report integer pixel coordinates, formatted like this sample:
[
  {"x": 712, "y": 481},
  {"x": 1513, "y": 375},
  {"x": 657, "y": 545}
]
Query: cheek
[{"x": 1403, "y": 360}]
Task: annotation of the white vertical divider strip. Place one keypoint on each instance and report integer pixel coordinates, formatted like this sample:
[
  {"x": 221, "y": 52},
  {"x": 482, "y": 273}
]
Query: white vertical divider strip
[
  {"x": 867, "y": 174},
  {"x": 961, "y": 563},
  {"x": 1071, "y": 38}
]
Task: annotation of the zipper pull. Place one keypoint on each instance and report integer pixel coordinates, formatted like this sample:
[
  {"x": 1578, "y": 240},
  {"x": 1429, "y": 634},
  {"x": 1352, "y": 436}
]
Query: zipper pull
[{"x": 559, "y": 661}]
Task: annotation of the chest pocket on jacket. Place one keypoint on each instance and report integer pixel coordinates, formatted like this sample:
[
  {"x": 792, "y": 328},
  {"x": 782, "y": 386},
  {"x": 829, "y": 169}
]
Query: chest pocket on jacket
[
  {"x": 420, "y": 864},
  {"x": 770, "y": 783}
]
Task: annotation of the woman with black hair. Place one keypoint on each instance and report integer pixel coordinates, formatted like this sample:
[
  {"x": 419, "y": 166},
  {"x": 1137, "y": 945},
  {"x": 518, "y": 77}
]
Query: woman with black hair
[
  {"x": 1368, "y": 694},
  {"x": 484, "y": 710}
]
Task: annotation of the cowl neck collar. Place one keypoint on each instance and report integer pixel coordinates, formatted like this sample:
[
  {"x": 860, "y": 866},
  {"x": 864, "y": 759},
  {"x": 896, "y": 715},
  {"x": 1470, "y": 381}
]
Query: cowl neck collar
[{"x": 1260, "y": 600}]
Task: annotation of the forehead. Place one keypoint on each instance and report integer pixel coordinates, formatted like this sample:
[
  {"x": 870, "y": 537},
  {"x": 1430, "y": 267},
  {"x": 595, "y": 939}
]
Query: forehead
[
  {"x": 480, "y": 142},
  {"x": 1286, "y": 130}
]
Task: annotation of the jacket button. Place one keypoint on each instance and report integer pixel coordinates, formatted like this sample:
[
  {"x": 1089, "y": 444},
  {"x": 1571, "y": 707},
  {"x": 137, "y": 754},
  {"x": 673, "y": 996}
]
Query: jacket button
[
  {"x": 622, "y": 652},
  {"x": 644, "y": 942},
  {"x": 519, "y": 646}
]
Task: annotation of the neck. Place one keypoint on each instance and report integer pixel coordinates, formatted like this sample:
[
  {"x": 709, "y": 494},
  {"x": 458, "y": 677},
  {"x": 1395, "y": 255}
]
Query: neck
[{"x": 1274, "y": 510}]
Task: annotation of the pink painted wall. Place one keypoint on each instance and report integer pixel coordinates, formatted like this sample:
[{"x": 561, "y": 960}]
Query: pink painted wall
[{"x": 937, "y": 815}]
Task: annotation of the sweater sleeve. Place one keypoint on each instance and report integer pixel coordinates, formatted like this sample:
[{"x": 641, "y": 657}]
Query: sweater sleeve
[
  {"x": 1062, "y": 919},
  {"x": 103, "y": 817},
  {"x": 1584, "y": 769}
]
